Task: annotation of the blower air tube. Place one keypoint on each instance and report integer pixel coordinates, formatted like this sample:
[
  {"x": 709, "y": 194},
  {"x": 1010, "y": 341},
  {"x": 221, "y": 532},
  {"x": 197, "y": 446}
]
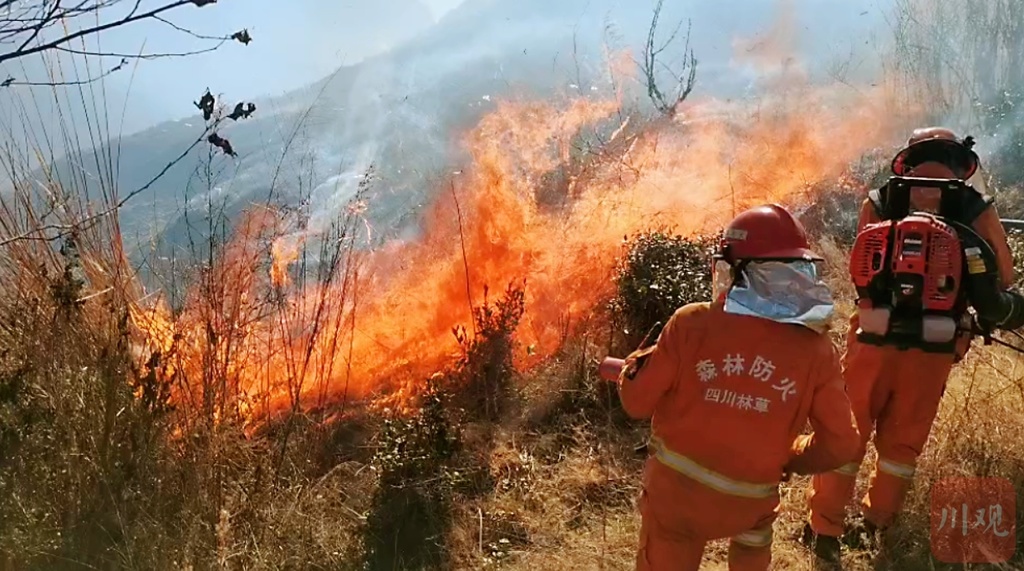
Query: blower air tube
[
  {"x": 1011, "y": 306},
  {"x": 996, "y": 309}
]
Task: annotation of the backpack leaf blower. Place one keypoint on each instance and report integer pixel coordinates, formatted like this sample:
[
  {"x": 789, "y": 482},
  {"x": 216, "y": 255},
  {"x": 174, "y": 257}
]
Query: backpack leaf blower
[{"x": 917, "y": 273}]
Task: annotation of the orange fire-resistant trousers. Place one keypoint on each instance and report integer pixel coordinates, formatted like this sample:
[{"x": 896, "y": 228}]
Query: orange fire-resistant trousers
[
  {"x": 896, "y": 393},
  {"x": 672, "y": 510}
]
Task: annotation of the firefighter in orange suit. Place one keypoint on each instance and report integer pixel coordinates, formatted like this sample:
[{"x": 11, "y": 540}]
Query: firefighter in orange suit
[
  {"x": 897, "y": 392},
  {"x": 729, "y": 387}
]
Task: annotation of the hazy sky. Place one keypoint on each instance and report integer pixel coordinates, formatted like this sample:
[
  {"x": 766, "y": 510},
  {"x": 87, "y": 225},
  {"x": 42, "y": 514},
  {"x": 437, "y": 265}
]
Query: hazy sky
[
  {"x": 295, "y": 43},
  {"x": 441, "y": 6}
]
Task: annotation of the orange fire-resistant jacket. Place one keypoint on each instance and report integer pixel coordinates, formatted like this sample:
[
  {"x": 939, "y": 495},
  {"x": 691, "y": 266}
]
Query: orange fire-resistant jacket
[{"x": 729, "y": 395}]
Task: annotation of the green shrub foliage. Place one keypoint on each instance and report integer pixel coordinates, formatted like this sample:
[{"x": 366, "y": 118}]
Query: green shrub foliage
[{"x": 660, "y": 273}]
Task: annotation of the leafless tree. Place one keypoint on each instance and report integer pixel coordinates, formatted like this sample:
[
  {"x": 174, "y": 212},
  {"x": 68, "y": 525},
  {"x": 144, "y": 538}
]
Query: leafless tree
[
  {"x": 683, "y": 79},
  {"x": 29, "y": 27}
]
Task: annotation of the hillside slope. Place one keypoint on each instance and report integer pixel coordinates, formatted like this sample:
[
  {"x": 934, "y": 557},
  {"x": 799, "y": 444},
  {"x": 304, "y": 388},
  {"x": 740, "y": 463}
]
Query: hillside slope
[{"x": 404, "y": 109}]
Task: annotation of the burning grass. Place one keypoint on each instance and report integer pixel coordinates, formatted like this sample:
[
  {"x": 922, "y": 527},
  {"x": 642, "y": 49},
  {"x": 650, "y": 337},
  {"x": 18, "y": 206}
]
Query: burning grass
[{"x": 383, "y": 320}]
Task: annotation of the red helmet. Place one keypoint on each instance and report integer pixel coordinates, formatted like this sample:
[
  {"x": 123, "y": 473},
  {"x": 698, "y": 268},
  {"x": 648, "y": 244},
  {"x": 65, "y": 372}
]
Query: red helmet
[
  {"x": 937, "y": 144},
  {"x": 767, "y": 232}
]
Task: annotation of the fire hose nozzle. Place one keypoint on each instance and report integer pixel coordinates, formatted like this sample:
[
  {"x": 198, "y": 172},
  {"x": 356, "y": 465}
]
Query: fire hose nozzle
[{"x": 610, "y": 368}]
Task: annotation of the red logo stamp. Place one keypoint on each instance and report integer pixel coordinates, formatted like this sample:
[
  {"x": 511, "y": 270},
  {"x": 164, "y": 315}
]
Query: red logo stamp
[{"x": 973, "y": 520}]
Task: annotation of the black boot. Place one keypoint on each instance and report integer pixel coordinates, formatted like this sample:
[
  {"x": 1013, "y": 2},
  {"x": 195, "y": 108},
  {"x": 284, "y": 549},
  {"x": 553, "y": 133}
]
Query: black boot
[{"x": 826, "y": 548}]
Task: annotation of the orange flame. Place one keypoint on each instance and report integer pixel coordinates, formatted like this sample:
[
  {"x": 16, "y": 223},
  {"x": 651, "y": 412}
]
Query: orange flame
[
  {"x": 389, "y": 317},
  {"x": 284, "y": 252}
]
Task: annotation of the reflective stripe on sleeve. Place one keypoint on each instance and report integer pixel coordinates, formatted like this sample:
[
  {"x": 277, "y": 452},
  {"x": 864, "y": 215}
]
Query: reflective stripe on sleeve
[{"x": 709, "y": 478}]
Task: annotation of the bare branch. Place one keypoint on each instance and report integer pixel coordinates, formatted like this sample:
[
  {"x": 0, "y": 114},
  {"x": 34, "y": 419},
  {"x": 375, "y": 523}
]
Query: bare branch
[
  {"x": 40, "y": 26},
  {"x": 50, "y": 232},
  {"x": 12, "y": 81},
  {"x": 684, "y": 79},
  {"x": 187, "y": 31},
  {"x": 140, "y": 56},
  {"x": 27, "y": 24}
]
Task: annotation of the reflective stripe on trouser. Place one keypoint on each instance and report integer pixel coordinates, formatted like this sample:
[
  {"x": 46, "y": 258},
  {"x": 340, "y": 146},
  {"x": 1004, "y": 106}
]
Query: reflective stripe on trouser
[
  {"x": 755, "y": 537},
  {"x": 850, "y": 469},
  {"x": 710, "y": 478},
  {"x": 896, "y": 393},
  {"x": 902, "y": 427},
  {"x": 889, "y": 485},
  {"x": 905, "y": 471},
  {"x": 743, "y": 557},
  {"x": 832, "y": 491},
  {"x": 676, "y": 552},
  {"x": 679, "y": 514},
  {"x": 660, "y": 550},
  {"x": 828, "y": 496}
]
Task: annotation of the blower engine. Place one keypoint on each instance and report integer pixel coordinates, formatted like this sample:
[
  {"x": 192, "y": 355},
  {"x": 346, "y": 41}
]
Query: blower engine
[{"x": 908, "y": 275}]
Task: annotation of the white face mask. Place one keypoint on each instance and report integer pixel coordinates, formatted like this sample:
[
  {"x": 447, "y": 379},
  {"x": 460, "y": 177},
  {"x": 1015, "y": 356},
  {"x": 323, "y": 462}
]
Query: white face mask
[{"x": 786, "y": 292}]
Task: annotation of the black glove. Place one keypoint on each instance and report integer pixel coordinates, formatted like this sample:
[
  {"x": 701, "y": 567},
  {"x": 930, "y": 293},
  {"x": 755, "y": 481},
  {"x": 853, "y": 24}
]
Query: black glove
[
  {"x": 635, "y": 361},
  {"x": 1015, "y": 315},
  {"x": 1002, "y": 310}
]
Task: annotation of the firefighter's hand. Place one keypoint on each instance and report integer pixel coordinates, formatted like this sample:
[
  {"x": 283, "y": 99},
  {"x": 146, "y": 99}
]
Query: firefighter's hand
[{"x": 635, "y": 361}]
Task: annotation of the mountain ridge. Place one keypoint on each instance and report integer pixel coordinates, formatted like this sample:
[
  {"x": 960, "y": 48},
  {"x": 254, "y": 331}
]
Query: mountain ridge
[{"x": 399, "y": 108}]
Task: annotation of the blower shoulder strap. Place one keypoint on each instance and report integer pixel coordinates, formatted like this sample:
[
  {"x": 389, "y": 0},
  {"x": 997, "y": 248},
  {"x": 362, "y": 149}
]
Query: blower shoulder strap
[
  {"x": 970, "y": 207},
  {"x": 974, "y": 204},
  {"x": 877, "y": 198}
]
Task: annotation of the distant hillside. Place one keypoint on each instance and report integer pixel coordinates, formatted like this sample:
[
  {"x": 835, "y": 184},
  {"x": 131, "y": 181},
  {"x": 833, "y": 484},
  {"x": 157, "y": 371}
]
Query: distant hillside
[
  {"x": 401, "y": 108},
  {"x": 288, "y": 43}
]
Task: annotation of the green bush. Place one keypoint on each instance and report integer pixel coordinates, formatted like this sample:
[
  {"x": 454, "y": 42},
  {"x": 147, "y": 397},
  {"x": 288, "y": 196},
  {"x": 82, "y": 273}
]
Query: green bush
[
  {"x": 410, "y": 513},
  {"x": 485, "y": 369},
  {"x": 419, "y": 462},
  {"x": 660, "y": 273}
]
